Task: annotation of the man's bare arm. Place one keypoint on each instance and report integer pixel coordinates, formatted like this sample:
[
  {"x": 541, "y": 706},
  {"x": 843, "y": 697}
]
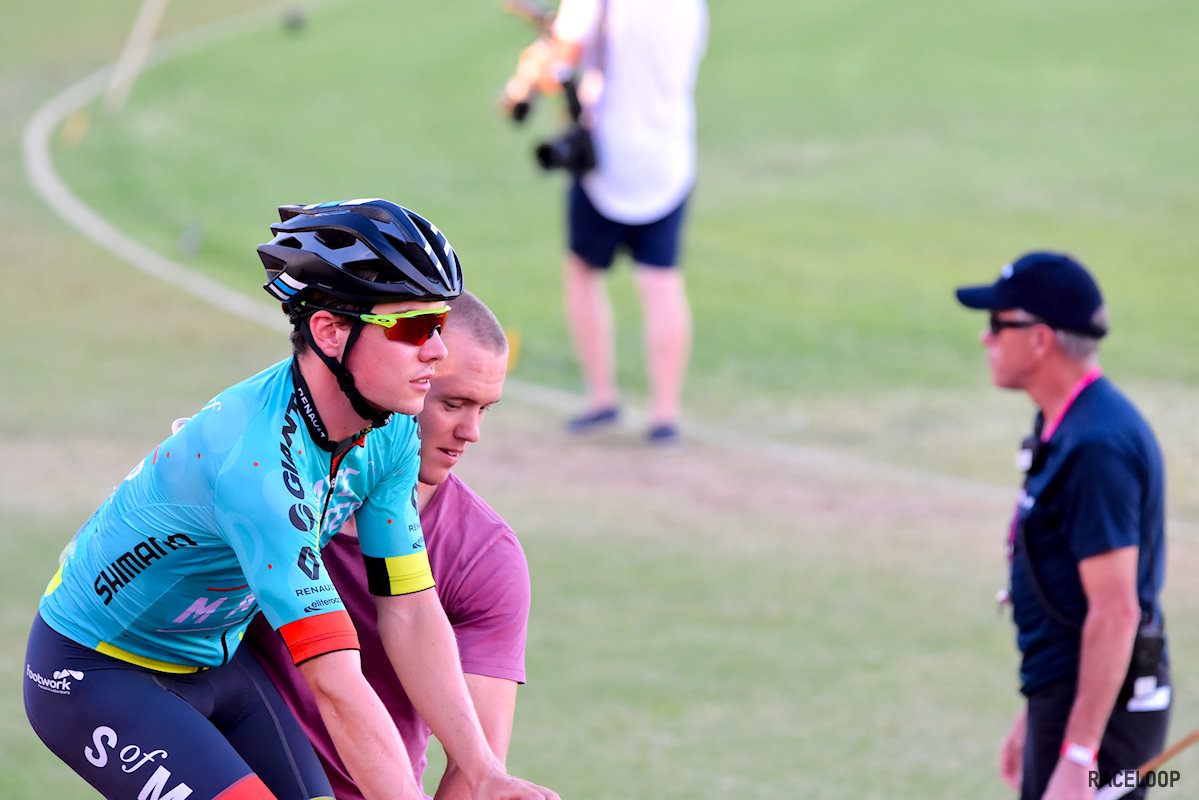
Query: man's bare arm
[
  {"x": 422, "y": 648},
  {"x": 363, "y": 732},
  {"x": 495, "y": 702}
]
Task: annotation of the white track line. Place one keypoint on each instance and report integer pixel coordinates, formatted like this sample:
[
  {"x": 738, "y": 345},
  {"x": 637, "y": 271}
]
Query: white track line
[
  {"x": 39, "y": 167},
  {"x": 45, "y": 180}
]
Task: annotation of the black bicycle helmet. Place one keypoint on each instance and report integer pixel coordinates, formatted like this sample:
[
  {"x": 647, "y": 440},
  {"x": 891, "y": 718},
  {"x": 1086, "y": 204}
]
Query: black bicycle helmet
[
  {"x": 331, "y": 248},
  {"x": 320, "y": 247}
]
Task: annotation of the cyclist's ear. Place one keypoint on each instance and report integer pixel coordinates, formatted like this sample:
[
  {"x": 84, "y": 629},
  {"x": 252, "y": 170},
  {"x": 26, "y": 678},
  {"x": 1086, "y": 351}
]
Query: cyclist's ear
[{"x": 329, "y": 332}]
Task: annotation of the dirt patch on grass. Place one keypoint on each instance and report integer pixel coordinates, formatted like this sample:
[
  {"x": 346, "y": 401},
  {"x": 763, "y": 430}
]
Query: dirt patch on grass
[
  {"x": 526, "y": 461},
  {"x": 526, "y": 457}
]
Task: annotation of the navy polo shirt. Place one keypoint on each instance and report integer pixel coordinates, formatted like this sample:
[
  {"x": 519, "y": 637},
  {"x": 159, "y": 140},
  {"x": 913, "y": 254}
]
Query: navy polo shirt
[{"x": 1096, "y": 485}]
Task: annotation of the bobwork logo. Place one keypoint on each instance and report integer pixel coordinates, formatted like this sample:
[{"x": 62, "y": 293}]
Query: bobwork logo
[{"x": 59, "y": 684}]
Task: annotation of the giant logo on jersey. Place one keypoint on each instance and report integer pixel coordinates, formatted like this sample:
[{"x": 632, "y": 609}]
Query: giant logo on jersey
[{"x": 300, "y": 514}]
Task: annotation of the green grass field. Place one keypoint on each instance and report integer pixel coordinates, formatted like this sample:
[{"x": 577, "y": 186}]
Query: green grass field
[{"x": 737, "y": 619}]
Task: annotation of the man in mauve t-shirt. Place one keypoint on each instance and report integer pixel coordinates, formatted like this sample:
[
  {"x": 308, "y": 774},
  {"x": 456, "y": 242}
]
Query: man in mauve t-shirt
[{"x": 479, "y": 567}]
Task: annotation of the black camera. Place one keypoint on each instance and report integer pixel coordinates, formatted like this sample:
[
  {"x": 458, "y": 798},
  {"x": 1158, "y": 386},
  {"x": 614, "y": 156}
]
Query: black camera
[{"x": 572, "y": 151}]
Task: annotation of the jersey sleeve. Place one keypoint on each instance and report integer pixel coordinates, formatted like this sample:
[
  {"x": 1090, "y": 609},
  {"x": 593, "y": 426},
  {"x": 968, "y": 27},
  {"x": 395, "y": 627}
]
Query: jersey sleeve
[
  {"x": 313, "y": 636},
  {"x": 1105, "y": 494},
  {"x": 389, "y": 527},
  {"x": 482, "y": 580},
  {"x": 490, "y": 612}
]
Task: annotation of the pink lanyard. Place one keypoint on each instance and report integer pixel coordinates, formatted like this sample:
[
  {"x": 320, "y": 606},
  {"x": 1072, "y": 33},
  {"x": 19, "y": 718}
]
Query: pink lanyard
[{"x": 1047, "y": 431}]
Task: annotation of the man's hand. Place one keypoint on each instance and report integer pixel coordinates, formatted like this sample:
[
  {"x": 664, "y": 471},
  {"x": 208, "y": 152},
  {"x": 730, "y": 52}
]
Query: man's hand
[
  {"x": 498, "y": 785},
  {"x": 535, "y": 68},
  {"x": 1011, "y": 754},
  {"x": 495, "y": 703}
]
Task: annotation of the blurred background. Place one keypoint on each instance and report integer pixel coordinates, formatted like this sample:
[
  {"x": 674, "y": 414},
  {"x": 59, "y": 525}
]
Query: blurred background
[{"x": 795, "y": 603}]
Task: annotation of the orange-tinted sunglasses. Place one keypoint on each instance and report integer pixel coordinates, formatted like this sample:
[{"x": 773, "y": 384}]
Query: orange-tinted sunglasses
[{"x": 412, "y": 327}]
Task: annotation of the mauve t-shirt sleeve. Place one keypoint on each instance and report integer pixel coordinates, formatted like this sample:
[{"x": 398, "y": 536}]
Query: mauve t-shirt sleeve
[{"x": 482, "y": 581}]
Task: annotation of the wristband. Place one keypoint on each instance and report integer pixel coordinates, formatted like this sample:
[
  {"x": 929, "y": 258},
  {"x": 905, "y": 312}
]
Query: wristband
[{"x": 1076, "y": 753}]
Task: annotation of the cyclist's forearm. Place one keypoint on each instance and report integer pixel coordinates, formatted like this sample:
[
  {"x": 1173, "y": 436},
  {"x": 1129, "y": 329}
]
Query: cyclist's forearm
[
  {"x": 420, "y": 642},
  {"x": 363, "y": 733}
]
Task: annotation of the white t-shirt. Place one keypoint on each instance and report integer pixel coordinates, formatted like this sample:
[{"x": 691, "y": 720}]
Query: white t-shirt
[{"x": 643, "y": 120}]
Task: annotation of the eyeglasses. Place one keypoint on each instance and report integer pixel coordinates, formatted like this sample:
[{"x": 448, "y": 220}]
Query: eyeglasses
[
  {"x": 412, "y": 327},
  {"x": 997, "y": 324}
]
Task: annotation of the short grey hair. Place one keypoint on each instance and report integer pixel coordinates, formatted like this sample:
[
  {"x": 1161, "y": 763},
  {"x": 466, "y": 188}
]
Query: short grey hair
[{"x": 1078, "y": 346}]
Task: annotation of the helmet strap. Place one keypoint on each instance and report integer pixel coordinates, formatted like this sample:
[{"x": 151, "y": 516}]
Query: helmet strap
[{"x": 376, "y": 416}]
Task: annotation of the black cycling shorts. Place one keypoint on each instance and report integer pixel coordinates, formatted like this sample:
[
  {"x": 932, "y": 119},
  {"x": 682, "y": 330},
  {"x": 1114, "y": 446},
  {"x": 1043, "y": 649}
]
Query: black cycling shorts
[{"x": 133, "y": 732}]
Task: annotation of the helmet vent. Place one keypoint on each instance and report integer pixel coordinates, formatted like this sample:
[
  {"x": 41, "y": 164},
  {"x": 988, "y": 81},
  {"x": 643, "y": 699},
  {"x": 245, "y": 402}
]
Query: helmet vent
[
  {"x": 413, "y": 252},
  {"x": 336, "y": 239},
  {"x": 367, "y": 268}
]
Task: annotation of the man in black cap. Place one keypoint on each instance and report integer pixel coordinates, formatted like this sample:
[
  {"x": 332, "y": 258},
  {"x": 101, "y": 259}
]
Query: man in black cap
[{"x": 1087, "y": 544}]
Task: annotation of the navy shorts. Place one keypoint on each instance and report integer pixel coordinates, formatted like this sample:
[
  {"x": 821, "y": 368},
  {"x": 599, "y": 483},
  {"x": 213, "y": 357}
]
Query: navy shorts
[
  {"x": 595, "y": 239},
  {"x": 133, "y": 732}
]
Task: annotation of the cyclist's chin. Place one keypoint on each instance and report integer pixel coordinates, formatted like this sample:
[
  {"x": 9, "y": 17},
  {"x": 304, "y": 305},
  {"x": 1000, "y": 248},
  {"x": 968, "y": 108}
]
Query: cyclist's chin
[
  {"x": 408, "y": 406},
  {"x": 398, "y": 398}
]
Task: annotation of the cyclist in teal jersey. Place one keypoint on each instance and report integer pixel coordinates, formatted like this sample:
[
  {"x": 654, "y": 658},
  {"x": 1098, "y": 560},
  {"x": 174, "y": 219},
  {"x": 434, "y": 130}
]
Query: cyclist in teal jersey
[{"x": 133, "y": 675}]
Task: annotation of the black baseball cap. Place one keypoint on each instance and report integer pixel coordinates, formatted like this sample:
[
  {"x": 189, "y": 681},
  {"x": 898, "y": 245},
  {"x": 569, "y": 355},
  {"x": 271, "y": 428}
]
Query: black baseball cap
[{"x": 1051, "y": 286}]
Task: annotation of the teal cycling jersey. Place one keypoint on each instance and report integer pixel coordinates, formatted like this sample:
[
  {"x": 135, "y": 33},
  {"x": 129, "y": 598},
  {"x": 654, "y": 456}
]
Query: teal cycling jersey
[{"x": 228, "y": 516}]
